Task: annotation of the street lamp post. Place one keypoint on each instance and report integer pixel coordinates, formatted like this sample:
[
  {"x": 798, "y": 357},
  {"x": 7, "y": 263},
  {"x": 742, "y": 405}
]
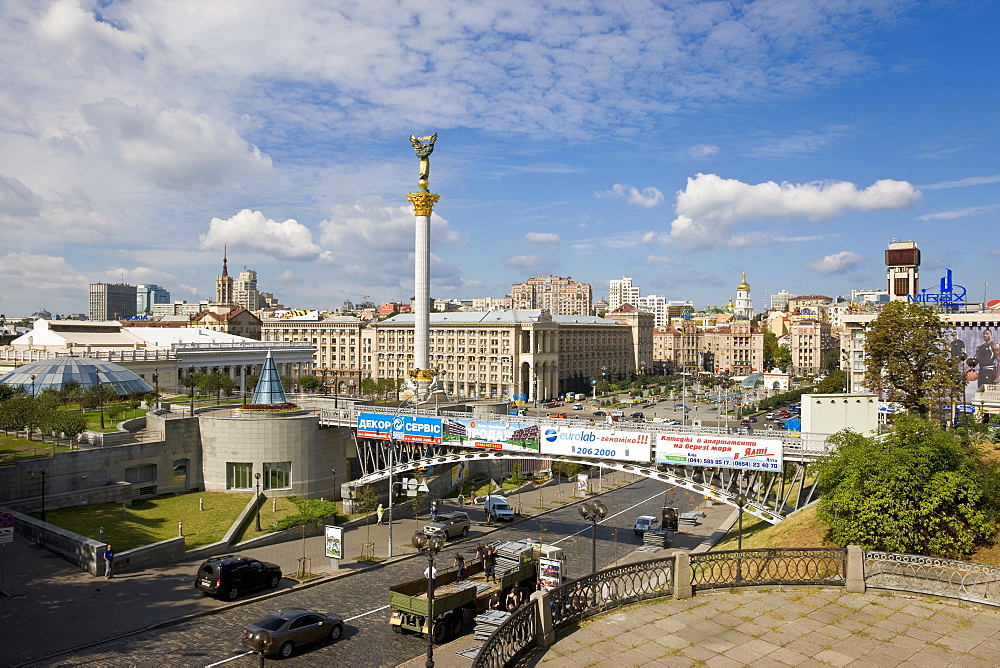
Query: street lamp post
[
  {"x": 191, "y": 381},
  {"x": 32, "y": 385},
  {"x": 431, "y": 545},
  {"x": 257, "y": 500},
  {"x": 42, "y": 471},
  {"x": 156, "y": 389},
  {"x": 741, "y": 502},
  {"x": 593, "y": 511},
  {"x": 246, "y": 374},
  {"x": 100, "y": 396}
]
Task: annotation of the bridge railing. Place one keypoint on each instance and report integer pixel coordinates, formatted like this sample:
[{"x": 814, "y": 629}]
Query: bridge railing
[{"x": 533, "y": 626}]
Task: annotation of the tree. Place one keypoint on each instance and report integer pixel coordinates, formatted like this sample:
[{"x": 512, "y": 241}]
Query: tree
[
  {"x": 310, "y": 383},
  {"x": 919, "y": 490},
  {"x": 770, "y": 349},
  {"x": 368, "y": 386},
  {"x": 311, "y": 511},
  {"x": 225, "y": 385},
  {"x": 831, "y": 360},
  {"x": 783, "y": 358},
  {"x": 906, "y": 356},
  {"x": 834, "y": 383},
  {"x": 367, "y": 502}
]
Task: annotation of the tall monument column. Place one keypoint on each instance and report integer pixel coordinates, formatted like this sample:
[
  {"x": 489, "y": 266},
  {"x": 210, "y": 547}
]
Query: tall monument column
[{"x": 423, "y": 203}]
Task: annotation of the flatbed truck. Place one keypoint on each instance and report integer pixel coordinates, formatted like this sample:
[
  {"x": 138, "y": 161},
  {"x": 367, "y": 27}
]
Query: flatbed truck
[{"x": 456, "y": 602}]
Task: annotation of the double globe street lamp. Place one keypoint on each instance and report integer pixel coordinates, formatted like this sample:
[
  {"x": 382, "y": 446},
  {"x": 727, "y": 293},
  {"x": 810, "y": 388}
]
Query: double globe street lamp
[
  {"x": 431, "y": 545},
  {"x": 593, "y": 511}
]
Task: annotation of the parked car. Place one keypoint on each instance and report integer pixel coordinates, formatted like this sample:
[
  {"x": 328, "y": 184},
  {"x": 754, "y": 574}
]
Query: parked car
[
  {"x": 226, "y": 577},
  {"x": 600, "y": 413},
  {"x": 638, "y": 415},
  {"x": 280, "y": 632},
  {"x": 744, "y": 423},
  {"x": 498, "y": 507},
  {"x": 752, "y": 418},
  {"x": 578, "y": 407},
  {"x": 618, "y": 414},
  {"x": 673, "y": 421},
  {"x": 769, "y": 416},
  {"x": 450, "y": 524},
  {"x": 644, "y": 523}
]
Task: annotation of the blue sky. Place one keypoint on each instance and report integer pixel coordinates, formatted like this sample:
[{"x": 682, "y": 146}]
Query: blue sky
[{"x": 679, "y": 143}]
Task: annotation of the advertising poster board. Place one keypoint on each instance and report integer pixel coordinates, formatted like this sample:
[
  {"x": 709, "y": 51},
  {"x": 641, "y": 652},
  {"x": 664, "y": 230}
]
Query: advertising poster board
[
  {"x": 549, "y": 573},
  {"x": 725, "y": 451},
  {"x": 490, "y": 435},
  {"x": 334, "y": 542},
  {"x": 581, "y": 482},
  {"x": 409, "y": 428},
  {"x": 629, "y": 446}
]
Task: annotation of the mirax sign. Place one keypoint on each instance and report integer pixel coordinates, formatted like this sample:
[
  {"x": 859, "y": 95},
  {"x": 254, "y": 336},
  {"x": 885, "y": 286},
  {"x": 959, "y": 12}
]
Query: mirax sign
[{"x": 725, "y": 451}]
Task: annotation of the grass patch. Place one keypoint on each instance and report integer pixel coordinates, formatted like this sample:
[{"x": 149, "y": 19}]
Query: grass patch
[
  {"x": 804, "y": 529},
  {"x": 152, "y": 520},
  {"x": 17, "y": 447},
  {"x": 271, "y": 511}
]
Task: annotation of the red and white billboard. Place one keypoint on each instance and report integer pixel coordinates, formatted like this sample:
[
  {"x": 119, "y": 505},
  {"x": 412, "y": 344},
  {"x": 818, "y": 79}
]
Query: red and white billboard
[{"x": 723, "y": 451}]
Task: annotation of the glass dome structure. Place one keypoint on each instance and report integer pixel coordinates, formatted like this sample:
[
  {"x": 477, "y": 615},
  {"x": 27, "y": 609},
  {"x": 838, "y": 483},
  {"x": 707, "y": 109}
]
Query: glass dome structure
[{"x": 54, "y": 372}]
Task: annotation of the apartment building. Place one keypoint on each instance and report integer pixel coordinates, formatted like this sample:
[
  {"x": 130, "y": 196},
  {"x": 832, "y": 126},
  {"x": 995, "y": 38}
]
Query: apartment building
[{"x": 337, "y": 344}]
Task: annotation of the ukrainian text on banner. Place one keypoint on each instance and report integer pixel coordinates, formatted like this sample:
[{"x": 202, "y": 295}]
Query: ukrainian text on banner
[
  {"x": 413, "y": 429},
  {"x": 726, "y": 451},
  {"x": 490, "y": 435},
  {"x": 630, "y": 446}
]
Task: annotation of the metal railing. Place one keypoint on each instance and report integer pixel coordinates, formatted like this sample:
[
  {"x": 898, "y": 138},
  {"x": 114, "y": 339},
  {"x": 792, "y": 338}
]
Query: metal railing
[
  {"x": 611, "y": 588},
  {"x": 515, "y": 638},
  {"x": 962, "y": 580},
  {"x": 749, "y": 568}
]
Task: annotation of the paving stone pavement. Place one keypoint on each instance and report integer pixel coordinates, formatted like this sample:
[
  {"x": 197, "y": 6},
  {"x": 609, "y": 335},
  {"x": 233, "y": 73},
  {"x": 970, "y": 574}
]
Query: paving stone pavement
[{"x": 793, "y": 627}]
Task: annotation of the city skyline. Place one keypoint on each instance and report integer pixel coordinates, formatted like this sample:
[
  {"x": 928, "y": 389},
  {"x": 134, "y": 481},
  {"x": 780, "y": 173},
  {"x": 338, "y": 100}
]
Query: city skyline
[{"x": 679, "y": 146}]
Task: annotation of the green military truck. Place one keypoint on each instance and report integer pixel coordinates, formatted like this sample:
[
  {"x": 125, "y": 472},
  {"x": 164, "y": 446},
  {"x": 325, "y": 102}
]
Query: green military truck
[{"x": 456, "y": 602}]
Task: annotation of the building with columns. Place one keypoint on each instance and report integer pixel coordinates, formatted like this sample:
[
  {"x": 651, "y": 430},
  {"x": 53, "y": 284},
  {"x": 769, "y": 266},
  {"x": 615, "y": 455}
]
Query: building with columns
[
  {"x": 170, "y": 353},
  {"x": 496, "y": 354},
  {"x": 734, "y": 347}
]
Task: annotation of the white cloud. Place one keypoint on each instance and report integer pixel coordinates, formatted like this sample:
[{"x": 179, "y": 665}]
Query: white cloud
[
  {"x": 710, "y": 207},
  {"x": 251, "y": 230},
  {"x": 38, "y": 275},
  {"x": 526, "y": 261},
  {"x": 702, "y": 150},
  {"x": 662, "y": 259},
  {"x": 838, "y": 263},
  {"x": 174, "y": 148},
  {"x": 959, "y": 213},
  {"x": 541, "y": 238},
  {"x": 647, "y": 197},
  {"x": 136, "y": 276}
]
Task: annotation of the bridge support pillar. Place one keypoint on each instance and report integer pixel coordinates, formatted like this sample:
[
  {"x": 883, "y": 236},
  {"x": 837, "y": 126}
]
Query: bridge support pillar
[
  {"x": 682, "y": 575},
  {"x": 546, "y": 634},
  {"x": 855, "y": 572}
]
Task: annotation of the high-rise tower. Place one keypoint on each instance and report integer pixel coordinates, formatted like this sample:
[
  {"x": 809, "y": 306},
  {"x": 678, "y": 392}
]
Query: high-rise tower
[
  {"x": 902, "y": 275},
  {"x": 224, "y": 283}
]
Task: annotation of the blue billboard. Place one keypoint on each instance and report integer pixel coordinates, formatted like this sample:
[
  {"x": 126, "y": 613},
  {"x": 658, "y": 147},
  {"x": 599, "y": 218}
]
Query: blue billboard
[{"x": 413, "y": 429}]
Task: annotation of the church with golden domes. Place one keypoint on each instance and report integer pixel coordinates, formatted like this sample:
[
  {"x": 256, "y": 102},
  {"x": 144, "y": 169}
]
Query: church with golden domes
[{"x": 743, "y": 306}]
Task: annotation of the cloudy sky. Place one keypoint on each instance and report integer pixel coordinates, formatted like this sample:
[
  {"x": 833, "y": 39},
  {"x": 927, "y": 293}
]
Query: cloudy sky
[{"x": 679, "y": 143}]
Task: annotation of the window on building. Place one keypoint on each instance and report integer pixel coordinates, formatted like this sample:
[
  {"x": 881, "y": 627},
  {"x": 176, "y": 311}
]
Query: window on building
[
  {"x": 277, "y": 475},
  {"x": 141, "y": 474},
  {"x": 239, "y": 475}
]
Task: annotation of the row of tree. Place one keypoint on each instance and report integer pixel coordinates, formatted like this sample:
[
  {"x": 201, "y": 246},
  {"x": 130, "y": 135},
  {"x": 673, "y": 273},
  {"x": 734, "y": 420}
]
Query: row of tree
[{"x": 47, "y": 413}]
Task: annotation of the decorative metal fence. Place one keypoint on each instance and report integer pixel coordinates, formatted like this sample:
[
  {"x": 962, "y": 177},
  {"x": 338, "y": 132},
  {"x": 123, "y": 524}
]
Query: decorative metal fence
[
  {"x": 515, "y": 638},
  {"x": 749, "y": 568},
  {"x": 963, "y": 580},
  {"x": 611, "y": 588}
]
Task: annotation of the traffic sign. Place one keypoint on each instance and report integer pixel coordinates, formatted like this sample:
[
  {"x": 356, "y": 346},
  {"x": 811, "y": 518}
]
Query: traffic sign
[
  {"x": 6, "y": 535},
  {"x": 6, "y": 520}
]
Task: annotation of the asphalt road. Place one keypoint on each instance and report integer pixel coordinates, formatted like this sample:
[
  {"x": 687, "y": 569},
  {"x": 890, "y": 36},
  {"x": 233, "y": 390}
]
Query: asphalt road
[{"x": 214, "y": 639}]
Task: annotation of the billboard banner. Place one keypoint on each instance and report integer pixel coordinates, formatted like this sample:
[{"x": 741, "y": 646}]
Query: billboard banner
[
  {"x": 725, "y": 451},
  {"x": 975, "y": 351},
  {"x": 630, "y": 446},
  {"x": 550, "y": 573},
  {"x": 490, "y": 435},
  {"x": 409, "y": 428},
  {"x": 298, "y": 315},
  {"x": 334, "y": 542}
]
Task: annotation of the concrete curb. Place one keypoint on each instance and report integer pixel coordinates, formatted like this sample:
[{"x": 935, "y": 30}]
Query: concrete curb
[{"x": 281, "y": 592}]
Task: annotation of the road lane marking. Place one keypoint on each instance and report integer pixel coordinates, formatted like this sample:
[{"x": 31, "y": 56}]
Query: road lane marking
[
  {"x": 365, "y": 614},
  {"x": 607, "y": 518},
  {"x": 232, "y": 658}
]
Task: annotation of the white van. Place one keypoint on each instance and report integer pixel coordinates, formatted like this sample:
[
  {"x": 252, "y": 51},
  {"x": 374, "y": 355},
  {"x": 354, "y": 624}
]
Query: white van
[
  {"x": 498, "y": 507},
  {"x": 578, "y": 407}
]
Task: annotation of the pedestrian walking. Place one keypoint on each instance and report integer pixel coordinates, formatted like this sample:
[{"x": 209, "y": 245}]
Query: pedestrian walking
[
  {"x": 434, "y": 507},
  {"x": 459, "y": 564},
  {"x": 109, "y": 562},
  {"x": 378, "y": 513},
  {"x": 481, "y": 553},
  {"x": 461, "y": 500},
  {"x": 490, "y": 564}
]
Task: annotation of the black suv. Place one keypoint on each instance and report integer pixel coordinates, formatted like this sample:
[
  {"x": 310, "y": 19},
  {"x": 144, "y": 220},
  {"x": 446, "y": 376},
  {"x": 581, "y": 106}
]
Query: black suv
[{"x": 225, "y": 577}]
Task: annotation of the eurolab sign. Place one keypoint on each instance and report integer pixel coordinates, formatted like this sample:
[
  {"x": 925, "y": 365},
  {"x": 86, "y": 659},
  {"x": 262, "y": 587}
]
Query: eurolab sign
[
  {"x": 408, "y": 428},
  {"x": 630, "y": 446},
  {"x": 949, "y": 293}
]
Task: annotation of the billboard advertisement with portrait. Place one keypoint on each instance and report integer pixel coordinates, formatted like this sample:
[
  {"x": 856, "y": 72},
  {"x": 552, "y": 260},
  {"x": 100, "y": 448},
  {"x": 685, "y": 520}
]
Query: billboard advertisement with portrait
[
  {"x": 975, "y": 350},
  {"x": 724, "y": 451},
  {"x": 490, "y": 435},
  {"x": 628, "y": 446}
]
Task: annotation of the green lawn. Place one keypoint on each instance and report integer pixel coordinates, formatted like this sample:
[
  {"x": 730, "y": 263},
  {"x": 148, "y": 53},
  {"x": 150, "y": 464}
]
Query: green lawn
[
  {"x": 15, "y": 447},
  {"x": 153, "y": 520}
]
